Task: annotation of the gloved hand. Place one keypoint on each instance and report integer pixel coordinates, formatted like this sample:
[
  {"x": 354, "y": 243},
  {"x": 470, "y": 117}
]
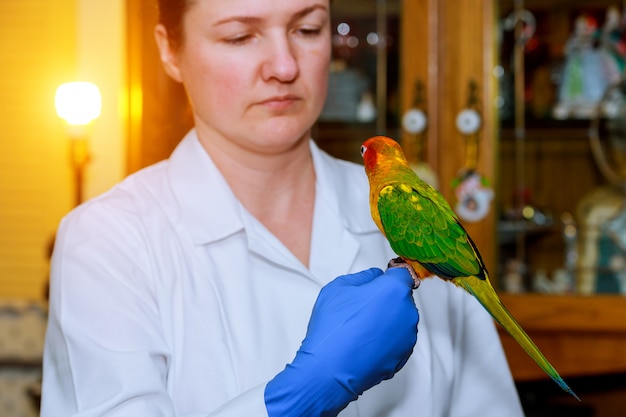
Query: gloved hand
[{"x": 362, "y": 330}]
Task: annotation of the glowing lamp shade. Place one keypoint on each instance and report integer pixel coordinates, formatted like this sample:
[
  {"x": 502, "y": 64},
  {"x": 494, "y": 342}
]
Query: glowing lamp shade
[{"x": 78, "y": 103}]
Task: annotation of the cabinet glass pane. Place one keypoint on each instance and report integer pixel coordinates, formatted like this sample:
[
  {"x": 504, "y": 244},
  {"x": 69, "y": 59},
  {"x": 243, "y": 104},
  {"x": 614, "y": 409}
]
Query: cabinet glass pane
[
  {"x": 363, "y": 88},
  {"x": 554, "y": 71}
]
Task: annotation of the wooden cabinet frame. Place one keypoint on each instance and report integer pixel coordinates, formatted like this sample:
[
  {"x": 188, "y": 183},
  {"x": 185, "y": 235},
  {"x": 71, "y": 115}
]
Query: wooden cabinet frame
[{"x": 447, "y": 44}]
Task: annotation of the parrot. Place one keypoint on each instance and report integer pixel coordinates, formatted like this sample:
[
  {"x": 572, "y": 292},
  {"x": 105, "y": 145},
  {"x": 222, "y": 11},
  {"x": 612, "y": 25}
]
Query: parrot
[{"x": 430, "y": 241}]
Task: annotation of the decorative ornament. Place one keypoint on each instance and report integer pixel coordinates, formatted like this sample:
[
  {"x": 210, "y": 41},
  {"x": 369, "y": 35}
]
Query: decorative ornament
[
  {"x": 468, "y": 121},
  {"x": 415, "y": 122},
  {"x": 473, "y": 191},
  {"x": 474, "y": 195}
]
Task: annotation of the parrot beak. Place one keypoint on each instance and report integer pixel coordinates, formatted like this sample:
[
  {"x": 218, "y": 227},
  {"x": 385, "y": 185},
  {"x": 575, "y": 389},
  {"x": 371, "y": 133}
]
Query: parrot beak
[{"x": 400, "y": 263}]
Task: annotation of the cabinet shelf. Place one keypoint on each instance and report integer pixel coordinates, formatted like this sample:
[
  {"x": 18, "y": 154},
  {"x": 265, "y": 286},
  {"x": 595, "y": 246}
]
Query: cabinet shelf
[{"x": 557, "y": 131}]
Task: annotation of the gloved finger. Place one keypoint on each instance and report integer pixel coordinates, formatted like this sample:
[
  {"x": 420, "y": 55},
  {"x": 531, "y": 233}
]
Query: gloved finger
[
  {"x": 360, "y": 278},
  {"x": 400, "y": 275},
  {"x": 391, "y": 373}
]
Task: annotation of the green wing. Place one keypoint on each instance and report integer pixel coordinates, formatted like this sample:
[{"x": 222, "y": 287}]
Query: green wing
[{"x": 421, "y": 226}]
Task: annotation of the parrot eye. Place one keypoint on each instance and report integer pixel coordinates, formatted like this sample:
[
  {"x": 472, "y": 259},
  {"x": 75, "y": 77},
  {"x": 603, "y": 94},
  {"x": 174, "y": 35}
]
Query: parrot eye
[{"x": 363, "y": 149}]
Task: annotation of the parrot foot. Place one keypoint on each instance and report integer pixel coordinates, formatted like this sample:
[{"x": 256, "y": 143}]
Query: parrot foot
[{"x": 401, "y": 263}]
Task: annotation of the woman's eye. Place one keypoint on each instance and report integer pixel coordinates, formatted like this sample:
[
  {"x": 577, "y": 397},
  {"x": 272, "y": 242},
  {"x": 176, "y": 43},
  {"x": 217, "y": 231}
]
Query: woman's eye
[
  {"x": 238, "y": 40},
  {"x": 310, "y": 31}
]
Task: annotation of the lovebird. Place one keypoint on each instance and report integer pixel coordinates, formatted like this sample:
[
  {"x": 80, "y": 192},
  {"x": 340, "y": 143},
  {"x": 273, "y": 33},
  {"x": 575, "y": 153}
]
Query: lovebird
[{"x": 426, "y": 234}]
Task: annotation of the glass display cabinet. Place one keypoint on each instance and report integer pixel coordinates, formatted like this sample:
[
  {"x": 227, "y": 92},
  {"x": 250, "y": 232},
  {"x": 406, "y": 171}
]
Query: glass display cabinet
[
  {"x": 561, "y": 194},
  {"x": 557, "y": 62}
]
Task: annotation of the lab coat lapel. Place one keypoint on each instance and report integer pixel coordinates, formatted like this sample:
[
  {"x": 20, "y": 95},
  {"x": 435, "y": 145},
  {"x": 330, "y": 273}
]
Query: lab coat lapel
[
  {"x": 207, "y": 204},
  {"x": 262, "y": 242},
  {"x": 341, "y": 212},
  {"x": 333, "y": 247}
]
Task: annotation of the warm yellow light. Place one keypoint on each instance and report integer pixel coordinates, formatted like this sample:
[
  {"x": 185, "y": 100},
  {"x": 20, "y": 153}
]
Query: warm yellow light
[{"x": 78, "y": 103}]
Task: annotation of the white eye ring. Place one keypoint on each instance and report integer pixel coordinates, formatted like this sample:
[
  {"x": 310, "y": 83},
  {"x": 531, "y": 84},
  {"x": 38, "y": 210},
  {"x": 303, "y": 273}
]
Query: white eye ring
[{"x": 363, "y": 149}]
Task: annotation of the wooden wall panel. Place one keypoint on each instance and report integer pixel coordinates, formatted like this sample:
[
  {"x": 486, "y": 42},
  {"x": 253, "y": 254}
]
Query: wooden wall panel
[
  {"x": 159, "y": 111},
  {"x": 37, "y": 53},
  {"x": 465, "y": 52},
  {"x": 419, "y": 64}
]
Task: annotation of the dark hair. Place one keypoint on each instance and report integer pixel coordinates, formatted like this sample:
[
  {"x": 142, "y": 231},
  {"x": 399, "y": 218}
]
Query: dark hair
[{"x": 171, "y": 14}]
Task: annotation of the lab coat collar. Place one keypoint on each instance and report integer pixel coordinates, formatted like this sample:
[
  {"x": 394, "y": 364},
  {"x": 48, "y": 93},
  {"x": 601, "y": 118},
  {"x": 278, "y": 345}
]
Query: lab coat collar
[
  {"x": 208, "y": 205},
  {"x": 201, "y": 190},
  {"x": 347, "y": 195}
]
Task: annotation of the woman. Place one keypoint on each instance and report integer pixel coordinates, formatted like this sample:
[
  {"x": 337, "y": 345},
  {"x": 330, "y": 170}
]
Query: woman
[{"x": 186, "y": 289}]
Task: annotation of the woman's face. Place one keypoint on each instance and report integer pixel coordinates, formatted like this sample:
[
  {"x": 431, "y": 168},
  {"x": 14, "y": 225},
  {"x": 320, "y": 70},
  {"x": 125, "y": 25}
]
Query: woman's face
[{"x": 255, "y": 71}]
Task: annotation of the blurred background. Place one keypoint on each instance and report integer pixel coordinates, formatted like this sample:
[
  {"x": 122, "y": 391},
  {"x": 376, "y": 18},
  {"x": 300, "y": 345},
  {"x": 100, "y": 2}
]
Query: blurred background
[{"x": 43, "y": 44}]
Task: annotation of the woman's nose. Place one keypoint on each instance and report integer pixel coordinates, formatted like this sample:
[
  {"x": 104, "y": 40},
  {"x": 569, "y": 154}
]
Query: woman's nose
[{"x": 281, "y": 60}]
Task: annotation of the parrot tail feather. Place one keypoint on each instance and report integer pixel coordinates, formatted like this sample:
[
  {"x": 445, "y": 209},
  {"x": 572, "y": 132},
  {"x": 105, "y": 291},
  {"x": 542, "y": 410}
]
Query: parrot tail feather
[{"x": 487, "y": 296}]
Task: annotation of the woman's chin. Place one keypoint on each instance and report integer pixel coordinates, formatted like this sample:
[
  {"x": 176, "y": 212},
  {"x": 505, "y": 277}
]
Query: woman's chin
[{"x": 284, "y": 133}]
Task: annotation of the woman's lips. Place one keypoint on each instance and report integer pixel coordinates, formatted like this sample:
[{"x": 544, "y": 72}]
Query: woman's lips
[{"x": 280, "y": 102}]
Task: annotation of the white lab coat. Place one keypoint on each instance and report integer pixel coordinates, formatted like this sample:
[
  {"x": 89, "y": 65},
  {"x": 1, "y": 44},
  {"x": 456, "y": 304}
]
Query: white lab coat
[{"x": 169, "y": 299}]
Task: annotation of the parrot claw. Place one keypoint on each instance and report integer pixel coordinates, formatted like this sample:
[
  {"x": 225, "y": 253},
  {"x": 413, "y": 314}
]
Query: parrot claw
[{"x": 400, "y": 263}]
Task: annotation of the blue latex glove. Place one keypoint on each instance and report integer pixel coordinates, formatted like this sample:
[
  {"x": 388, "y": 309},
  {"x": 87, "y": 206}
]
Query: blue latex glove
[{"x": 362, "y": 330}]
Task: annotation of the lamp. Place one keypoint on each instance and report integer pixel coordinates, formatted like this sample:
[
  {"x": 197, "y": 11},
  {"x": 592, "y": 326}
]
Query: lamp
[{"x": 78, "y": 103}]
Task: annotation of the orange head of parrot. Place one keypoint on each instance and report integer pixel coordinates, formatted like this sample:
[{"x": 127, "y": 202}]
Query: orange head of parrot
[{"x": 381, "y": 150}]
